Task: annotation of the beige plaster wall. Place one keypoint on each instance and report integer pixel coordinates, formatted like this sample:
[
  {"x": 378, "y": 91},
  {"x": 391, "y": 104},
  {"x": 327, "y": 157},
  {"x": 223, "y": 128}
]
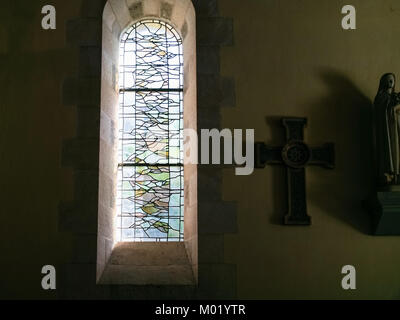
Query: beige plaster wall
[{"x": 292, "y": 58}]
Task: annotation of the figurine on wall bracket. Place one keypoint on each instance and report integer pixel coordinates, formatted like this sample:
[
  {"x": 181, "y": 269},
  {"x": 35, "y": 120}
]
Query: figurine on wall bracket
[
  {"x": 387, "y": 130},
  {"x": 385, "y": 204}
]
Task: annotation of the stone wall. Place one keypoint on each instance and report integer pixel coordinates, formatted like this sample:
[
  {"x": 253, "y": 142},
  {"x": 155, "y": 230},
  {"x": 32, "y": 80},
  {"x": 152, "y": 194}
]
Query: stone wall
[{"x": 216, "y": 279}]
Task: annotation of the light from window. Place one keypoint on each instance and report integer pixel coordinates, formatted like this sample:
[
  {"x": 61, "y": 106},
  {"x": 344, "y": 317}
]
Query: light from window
[{"x": 150, "y": 159}]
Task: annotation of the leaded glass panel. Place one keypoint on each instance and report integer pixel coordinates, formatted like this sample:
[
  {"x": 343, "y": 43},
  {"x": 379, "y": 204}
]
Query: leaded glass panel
[{"x": 150, "y": 173}]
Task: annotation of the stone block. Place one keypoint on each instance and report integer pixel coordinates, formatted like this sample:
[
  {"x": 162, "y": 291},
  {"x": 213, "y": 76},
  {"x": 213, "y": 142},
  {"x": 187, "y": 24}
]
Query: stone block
[
  {"x": 211, "y": 249},
  {"x": 107, "y": 72},
  {"x": 86, "y": 186},
  {"x": 89, "y": 92},
  {"x": 101, "y": 260},
  {"x": 84, "y": 32},
  {"x": 148, "y": 264},
  {"x": 90, "y": 61},
  {"x": 108, "y": 131},
  {"x": 116, "y": 30},
  {"x": 136, "y": 9},
  {"x": 215, "y": 91},
  {"x": 184, "y": 30},
  {"x": 208, "y": 60},
  {"x": 147, "y": 275},
  {"x": 217, "y": 281},
  {"x": 149, "y": 254},
  {"x": 217, "y": 217},
  {"x": 114, "y": 80},
  {"x": 180, "y": 12},
  {"x": 191, "y": 245},
  {"x": 108, "y": 165},
  {"x": 108, "y": 17},
  {"x": 110, "y": 46},
  {"x": 206, "y": 8},
  {"x": 84, "y": 249},
  {"x": 187, "y": 81},
  {"x": 109, "y": 246},
  {"x": 210, "y": 118},
  {"x": 106, "y": 191},
  {"x": 88, "y": 122},
  {"x": 109, "y": 101},
  {"x": 82, "y": 91},
  {"x": 121, "y": 12},
  {"x": 208, "y": 91},
  {"x": 78, "y": 281},
  {"x": 151, "y": 8},
  {"x": 78, "y": 217},
  {"x": 166, "y": 10},
  {"x": 81, "y": 154},
  {"x": 92, "y": 8},
  {"x": 209, "y": 183},
  {"x": 70, "y": 91},
  {"x": 215, "y": 31}
]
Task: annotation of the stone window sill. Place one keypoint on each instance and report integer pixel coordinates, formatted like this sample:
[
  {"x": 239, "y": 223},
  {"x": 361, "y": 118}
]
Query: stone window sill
[{"x": 148, "y": 263}]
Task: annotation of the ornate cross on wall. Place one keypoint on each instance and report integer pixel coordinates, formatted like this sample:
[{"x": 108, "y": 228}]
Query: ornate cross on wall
[{"x": 295, "y": 156}]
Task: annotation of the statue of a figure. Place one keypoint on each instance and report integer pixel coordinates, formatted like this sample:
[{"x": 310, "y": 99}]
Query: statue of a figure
[{"x": 387, "y": 131}]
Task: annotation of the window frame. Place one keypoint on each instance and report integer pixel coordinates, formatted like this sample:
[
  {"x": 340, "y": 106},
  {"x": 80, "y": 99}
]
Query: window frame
[
  {"x": 117, "y": 16},
  {"x": 126, "y": 37}
]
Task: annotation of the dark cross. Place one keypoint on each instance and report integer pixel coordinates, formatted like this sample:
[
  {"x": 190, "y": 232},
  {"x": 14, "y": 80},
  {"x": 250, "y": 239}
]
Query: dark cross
[{"x": 295, "y": 156}]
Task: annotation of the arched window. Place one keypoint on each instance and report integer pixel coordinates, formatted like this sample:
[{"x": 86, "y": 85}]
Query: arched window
[
  {"x": 150, "y": 198},
  {"x": 147, "y": 207}
]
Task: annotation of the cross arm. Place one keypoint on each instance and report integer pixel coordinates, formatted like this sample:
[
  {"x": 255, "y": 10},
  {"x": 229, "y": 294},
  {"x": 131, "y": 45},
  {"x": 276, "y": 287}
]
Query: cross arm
[
  {"x": 297, "y": 204},
  {"x": 323, "y": 156},
  {"x": 266, "y": 155},
  {"x": 294, "y": 128}
]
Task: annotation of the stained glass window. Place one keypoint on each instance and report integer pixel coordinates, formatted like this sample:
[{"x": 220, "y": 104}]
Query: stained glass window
[{"x": 150, "y": 170}]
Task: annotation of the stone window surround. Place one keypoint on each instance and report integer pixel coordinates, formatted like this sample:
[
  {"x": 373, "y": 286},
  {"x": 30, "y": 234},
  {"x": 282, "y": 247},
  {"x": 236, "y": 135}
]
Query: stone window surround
[{"x": 119, "y": 263}]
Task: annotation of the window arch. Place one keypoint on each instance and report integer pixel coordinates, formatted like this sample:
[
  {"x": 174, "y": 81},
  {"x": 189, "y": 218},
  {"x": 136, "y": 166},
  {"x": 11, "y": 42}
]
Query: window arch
[
  {"x": 150, "y": 201},
  {"x": 121, "y": 258}
]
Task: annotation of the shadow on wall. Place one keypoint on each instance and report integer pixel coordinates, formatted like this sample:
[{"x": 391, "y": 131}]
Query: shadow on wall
[
  {"x": 344, "y": 116},
  {"x": 346, "y": 113}
]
